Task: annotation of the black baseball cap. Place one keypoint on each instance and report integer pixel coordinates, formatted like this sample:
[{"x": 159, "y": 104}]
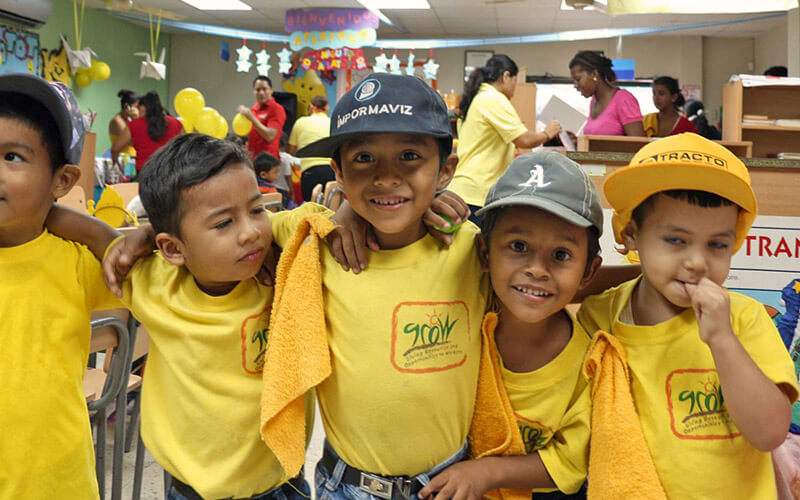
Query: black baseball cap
[
  {"x": 386, "y": 104},
  {"x": 59, "y": 100}
]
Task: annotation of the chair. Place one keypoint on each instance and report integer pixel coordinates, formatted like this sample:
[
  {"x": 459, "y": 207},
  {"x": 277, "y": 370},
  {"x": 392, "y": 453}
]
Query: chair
[
  {"x": 272, "y": 201},
  {"x": 317, "y": 195},
  {"x": 333, "y": 195},
  {"x": 141, "y": 346},
  {"x": 128, "y": 190},
  {"x": 109, "y": 335},
  {"x": 76, "y": 199}
]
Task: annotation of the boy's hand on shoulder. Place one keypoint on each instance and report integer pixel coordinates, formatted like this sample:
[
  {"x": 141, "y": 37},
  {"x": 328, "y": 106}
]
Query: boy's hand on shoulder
[
  {"x": 468, "y": 480},
  {"x": 712, "y": 307},
  {"x": 350, "y": 239},
  {"x": 450, "y": 205},
  {"x": 123, "y": 254}
]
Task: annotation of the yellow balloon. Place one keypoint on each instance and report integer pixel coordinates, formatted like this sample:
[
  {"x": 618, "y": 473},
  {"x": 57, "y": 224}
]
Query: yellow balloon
[
  {"x": 206, "y": 121},
  {"x": 83, "y": 79},
  {"x": 241, "y": 124},
  {"x": 189, "y": 102},
  {"x": 83, "y": 71},
  {"x": 222, "y": 128},
  {"x": 100, "y": 70},
  {"x": 187, "y": 125}
]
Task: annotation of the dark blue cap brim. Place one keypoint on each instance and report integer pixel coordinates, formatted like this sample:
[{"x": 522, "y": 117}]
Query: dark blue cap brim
[{"x": 327, "y": 146}]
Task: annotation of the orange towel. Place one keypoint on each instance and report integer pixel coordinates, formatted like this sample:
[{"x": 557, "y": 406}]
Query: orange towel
[
  {"x": 620, "y": 465},
  {"x": 297, "y": 357},
  {"x": 494, "y": 429}
]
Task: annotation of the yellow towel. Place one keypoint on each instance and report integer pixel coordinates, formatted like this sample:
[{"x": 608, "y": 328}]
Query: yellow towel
[
  {"x": 297, "y": 357},
  {"x": 620, "y": 465},
  {"x": 494, "y": 429}
]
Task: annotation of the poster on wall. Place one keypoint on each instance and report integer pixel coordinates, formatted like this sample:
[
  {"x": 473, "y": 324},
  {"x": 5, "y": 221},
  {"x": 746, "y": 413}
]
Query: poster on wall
[
  {"x": 19, "y": 50},
  {"x": 330, "y": 28}
]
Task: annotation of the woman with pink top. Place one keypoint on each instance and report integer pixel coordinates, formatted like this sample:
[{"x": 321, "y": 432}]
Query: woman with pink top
[{"x": 613, "y": 111}]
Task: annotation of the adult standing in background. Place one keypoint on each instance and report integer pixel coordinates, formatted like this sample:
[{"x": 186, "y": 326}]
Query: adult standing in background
[
  {"x": 490, "y": 130},
  {"x": 612, "y": 111},
  {"x": 268, "y": 118},
  {"x": 128, "y": 111},
  {"x": 150, "y": 131},
  {"x": 306, "y": 130}
]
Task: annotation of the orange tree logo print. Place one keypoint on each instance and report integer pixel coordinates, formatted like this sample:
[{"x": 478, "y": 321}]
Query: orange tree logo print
[
  {"x": 535, "y": 435},
  {"x": 254, "y": 334},
  {"x": 429, "y": 336},
  {"x": 696, "y": 406}
]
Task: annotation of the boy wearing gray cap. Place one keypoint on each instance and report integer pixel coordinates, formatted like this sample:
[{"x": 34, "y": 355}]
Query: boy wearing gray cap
[
  {"x": 49, "y": 287},
  {"x": 540, "y": 242}
]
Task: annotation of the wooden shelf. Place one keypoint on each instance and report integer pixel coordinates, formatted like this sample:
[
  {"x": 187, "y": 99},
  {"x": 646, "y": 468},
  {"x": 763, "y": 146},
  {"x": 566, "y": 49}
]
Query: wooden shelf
[
  {"x": 770, "y": 128},
  {"x": 626, "y": 144}
]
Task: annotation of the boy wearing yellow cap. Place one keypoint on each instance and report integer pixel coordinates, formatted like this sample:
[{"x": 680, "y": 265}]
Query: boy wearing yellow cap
[{"x": 710, "y": 380}]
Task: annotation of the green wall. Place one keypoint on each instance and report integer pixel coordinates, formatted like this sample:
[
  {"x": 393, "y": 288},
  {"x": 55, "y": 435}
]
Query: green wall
[{"x": 114, "y": 41}]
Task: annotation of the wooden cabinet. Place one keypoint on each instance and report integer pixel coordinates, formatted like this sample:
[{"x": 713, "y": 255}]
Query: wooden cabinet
[
  {"x": 524, "y": 101},
  {"x": 773, "y": 101}
]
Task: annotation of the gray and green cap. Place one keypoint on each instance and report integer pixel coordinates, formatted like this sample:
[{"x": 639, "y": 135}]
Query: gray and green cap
[{"x": 549, "y": 181}]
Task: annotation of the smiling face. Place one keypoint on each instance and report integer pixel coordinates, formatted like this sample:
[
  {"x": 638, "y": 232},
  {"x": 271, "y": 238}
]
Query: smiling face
[
  {"x": 679, "y": 243},
  {"x": 536, "y": 262},
  {"x": 584, "y": 81},
  {"x": 225, "y": 231},
  {"x": 662, "y": 99},
  {"x": 390, "y": 180}
]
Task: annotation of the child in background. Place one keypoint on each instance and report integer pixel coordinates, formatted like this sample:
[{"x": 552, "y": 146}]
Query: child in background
[
  {"x": 668, "y": 100},
  {"x": 267, "y": 169},
  {"x": 711, "y": 380},
  {"x": 49, "y": 289},
  {"x": 540, "y": 243},
  {"x": 290, "y": 172}
]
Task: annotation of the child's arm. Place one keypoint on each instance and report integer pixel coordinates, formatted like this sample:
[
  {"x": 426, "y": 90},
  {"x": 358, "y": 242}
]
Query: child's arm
[
  {"x": 760, "y": 410},
  {"x": 121, "y": 257},
  {"x": 470, "y": 480},
  {"x": 608, "y": 277},
  {"x": 79, "y": 227}
]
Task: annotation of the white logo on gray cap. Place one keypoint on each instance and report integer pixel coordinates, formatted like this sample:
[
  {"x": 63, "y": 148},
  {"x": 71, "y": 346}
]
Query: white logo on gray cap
[{"x": 537, "y": 177}]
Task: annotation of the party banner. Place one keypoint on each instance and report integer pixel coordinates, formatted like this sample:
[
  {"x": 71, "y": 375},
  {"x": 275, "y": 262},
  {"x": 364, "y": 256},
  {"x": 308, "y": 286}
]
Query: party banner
[
  {"x": 330, "y": 28},
  {"x": 616, "y": 7},
  {"x": 332, "y": 59},
  {"x": 19, "y": 51}
]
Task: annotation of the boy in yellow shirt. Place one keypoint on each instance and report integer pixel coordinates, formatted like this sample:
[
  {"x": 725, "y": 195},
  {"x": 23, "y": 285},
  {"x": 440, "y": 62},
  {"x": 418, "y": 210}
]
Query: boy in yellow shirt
[
  {"x": 49, "y": 289},
  {"x": 540, "y": 242},
  {"x": 711, "y": 381}
]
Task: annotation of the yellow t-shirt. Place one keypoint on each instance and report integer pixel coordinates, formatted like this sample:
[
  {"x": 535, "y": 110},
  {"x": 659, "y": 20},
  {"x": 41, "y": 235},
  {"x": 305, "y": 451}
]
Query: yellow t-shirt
[
  {"x": 307, "y": 130},
  {"x": 697, "y": 449},
  {"x": 485, "y": 144},
  {"x": 553, "y": 410},
  {"x": 129, "y": 150},
  {"x": 49, "y": 289},
  {"x": 405, "y": 343},
  {"x": 650, "y": 122},
  {"x": 202, "y": 386}
]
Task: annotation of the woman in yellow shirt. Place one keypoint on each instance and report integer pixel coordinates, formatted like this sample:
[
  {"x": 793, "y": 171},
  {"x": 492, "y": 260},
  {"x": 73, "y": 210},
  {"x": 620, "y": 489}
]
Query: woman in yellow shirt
[
  {"x": 490, "y": 130},
  {"x": 129, "y": 111}
]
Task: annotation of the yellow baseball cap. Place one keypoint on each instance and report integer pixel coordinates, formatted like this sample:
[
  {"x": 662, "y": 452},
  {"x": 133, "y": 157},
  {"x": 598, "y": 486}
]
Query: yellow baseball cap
[{"x": 683, "y": 161}]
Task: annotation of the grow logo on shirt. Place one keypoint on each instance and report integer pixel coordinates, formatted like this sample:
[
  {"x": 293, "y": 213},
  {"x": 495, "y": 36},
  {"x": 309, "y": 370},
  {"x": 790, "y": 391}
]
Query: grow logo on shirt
[
  {"x": 429, "y": 336},
  {"x": 697, "y": 407},
  {"x": 535, "y": 435},
  {"x": 254, "y": 335}
]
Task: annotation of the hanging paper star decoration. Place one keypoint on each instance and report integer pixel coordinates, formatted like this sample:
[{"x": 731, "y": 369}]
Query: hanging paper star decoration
[
  {"x": 381, "y": 61},
  {"x": 243, "y": 64},
  {"x": 262, "y": 62},
  {"x": 410, "y": 68},
  {"x": 394, "y": 65},
  {"x": 431, "y": 69},
  {"x": 285, "y": 63}
]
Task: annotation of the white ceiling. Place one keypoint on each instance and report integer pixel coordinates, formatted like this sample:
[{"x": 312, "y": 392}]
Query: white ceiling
[{"x": 470, "y": 18}]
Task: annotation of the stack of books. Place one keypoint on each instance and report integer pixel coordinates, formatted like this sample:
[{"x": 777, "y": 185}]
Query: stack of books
[
  {"x": 789, "y": 156},
  {"x": 757, "y": 120}
]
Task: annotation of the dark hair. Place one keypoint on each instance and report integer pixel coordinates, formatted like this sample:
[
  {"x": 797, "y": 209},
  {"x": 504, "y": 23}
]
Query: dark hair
[
  {"x": 491, "y": 217},
  {"x": 695, "y": 113},
  {"x": 262, "y": 78},
  {"x": 590, "y": 61},
  {"x": 185, "y": 161},
  {"x": 494, "y": 69},
  {"x": 671, "y": 84},
  {"x": 127, "y": 98},
  {"x": 32, "y": 113},
  {"x": 264, "y": 162},
  {"x": 319, "y": 102},
  {"x": 702, "y": 199},
  {"x": 777, "y": 71},
  {"x": 154, "y": 115}
]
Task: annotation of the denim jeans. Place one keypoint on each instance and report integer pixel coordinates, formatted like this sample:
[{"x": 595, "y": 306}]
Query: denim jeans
[
  {"x": 329, "y": 484},
  {"x": 286, "y": 491}
]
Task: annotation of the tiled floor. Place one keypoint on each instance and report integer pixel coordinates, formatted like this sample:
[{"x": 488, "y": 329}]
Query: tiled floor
[{"x": 153, "y": 477}]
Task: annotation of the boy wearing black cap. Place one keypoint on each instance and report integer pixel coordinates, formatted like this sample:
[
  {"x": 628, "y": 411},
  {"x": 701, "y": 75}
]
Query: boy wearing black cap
[
  {"x": 539, "y": 242},
  {"x": 50, "y": 287}
]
